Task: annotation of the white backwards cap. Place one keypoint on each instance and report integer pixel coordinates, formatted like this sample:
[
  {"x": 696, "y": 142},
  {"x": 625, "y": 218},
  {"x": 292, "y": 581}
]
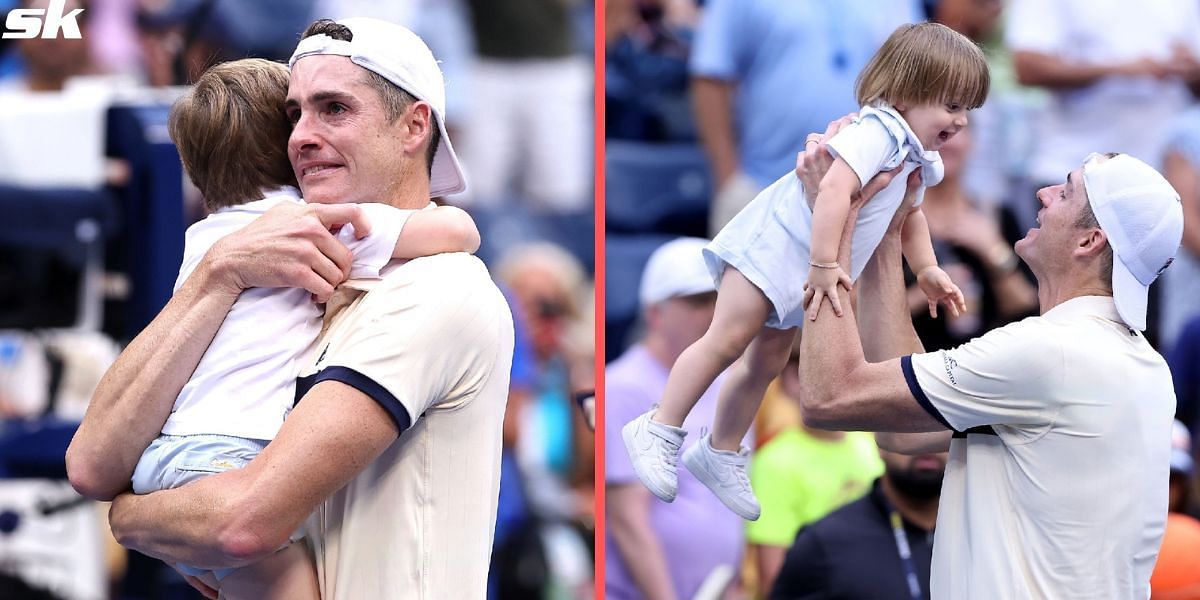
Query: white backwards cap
[
  {"x": 1141, "y": 215},
  {"x": 401, "y": 57}
]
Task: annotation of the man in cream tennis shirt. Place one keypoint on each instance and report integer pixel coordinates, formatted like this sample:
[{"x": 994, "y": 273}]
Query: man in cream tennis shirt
[
  {"x": 394, "y": 445},
  {"x": 1059, "y": 425}
]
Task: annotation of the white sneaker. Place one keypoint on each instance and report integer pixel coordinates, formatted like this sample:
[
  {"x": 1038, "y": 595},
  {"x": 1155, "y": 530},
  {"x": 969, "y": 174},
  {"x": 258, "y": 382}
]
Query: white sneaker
[
  {"x": 654, "y": 451},
  {"x": 724, "y": 473}
]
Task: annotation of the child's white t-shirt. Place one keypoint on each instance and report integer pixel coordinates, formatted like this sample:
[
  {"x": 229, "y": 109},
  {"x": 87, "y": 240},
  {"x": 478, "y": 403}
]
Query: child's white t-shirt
[{"x": 245, "y": 383}]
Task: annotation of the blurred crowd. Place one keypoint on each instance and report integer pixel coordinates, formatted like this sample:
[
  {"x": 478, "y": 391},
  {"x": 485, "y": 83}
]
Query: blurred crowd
[
  {"x": 95, "y": 206},
  {"x": 709, "y": 101}
]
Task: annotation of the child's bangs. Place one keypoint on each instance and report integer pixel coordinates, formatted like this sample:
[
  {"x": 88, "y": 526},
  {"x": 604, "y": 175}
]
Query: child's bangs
[{"x": 968, "y": 81}]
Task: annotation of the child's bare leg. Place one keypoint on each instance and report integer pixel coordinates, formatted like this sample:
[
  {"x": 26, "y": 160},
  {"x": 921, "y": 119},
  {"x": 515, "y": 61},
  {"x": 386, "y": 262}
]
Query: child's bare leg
[
  {"x": 743, "y": 390},
  {"x": 283, "y": 575},
  {"x": 739, "y": 315}
]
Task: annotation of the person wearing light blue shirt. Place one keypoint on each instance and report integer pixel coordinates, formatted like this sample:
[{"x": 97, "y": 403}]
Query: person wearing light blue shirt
[{"x": 767, "y": 72}]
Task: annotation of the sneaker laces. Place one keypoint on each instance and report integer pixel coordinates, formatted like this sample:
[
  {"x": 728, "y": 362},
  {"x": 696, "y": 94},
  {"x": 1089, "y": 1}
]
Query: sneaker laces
[
  {"x": 737, "y": 463},
  {"x": 668, "y": 450},
  {"x": 742, "y": 478}
]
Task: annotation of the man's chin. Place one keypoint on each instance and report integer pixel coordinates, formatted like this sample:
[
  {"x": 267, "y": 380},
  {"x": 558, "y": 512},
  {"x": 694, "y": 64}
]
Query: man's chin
[
  {"x": 1023, "y": 244},
  {"x": 323, "y": 195}
]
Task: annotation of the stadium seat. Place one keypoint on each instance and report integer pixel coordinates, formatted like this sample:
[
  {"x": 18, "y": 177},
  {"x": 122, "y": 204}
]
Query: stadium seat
[
  {"x": 501, "y": 229},
  {"x": 151, "y": 206},
  {"x": 625, "y": 258},
  {"x": 73, "y": 223},
  {"x": 664, "y": 188}
]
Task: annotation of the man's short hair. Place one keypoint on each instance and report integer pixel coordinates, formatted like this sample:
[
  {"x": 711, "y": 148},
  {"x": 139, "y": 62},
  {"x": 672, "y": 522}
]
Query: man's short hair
[
  {"x": 395, "y": 100},
  {"x": 232, "y": 131}
]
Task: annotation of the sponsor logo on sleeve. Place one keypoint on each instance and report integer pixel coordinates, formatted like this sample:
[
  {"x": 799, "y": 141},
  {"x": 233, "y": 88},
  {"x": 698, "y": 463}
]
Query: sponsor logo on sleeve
[{"x": 950, "y": 364}]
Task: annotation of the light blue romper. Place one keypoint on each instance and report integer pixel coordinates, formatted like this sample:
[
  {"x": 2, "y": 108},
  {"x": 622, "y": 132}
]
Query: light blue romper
[{"x": 769, "y": 241}]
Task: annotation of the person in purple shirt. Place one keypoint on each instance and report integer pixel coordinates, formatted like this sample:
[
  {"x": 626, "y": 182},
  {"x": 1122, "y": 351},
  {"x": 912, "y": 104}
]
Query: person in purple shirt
[{"x": 658, "y": 550}]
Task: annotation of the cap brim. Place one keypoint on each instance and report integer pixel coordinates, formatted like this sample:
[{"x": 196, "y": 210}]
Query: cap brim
[
  {"x": 683, "y": 291},
  {"x": 694, "y": 290},
  {"x": 1129, "y": 294},
  {"x": 446, "y": 177}
]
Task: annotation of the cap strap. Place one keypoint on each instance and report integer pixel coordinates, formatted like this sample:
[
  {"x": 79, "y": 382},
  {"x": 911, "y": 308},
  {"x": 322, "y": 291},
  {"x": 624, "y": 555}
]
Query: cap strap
[{"x": 320, "y": 44}]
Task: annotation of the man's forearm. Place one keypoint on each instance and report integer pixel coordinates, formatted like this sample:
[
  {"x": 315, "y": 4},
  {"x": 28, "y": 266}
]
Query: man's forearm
[
  {"x": 886, "y": 331},
  {"x": 885, "y": 325},
  {"x": 135, "y": 396},
  {"x": 1035, "y": 68},
  {"x": 237, "y": 517},
  {"x": 189, "y": 525},
  {"x": 636, "y": 543}
]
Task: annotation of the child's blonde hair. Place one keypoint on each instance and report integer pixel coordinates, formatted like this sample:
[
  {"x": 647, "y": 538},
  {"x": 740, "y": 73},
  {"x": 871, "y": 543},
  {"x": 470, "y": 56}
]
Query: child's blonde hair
[
  {"x": 231, "y": 131},
  {"x": 925, "y": 63}
]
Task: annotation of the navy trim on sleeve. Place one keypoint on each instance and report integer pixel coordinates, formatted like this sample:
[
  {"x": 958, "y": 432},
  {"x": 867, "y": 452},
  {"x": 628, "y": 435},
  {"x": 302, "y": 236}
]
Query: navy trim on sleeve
[
  {"x": 910, "y": 377},
  {"x": 981, "y": 430},
  {"x": 362, "y": 383}
]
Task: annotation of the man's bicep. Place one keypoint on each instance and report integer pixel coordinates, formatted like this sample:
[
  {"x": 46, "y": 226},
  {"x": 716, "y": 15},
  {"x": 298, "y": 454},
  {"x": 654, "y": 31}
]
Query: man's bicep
[
  {"x": 332, "y": 435},
  {"x": 883, "y": 400}
]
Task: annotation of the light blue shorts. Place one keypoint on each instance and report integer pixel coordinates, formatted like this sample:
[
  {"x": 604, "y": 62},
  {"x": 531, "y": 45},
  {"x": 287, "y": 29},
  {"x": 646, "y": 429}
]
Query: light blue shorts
[{"x": 175, "y": 460}]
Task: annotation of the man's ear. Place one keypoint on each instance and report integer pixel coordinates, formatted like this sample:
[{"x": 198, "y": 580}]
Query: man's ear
[
  {"x": 1092, "y": 242},
  {"x": 418, "y": 125}
]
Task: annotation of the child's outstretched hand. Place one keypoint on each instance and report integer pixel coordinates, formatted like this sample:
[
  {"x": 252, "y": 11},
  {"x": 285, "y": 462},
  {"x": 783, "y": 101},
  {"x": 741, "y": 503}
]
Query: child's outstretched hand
[
  {"x": 823, "y": 282},
  {"x": 938, "y": 287}
]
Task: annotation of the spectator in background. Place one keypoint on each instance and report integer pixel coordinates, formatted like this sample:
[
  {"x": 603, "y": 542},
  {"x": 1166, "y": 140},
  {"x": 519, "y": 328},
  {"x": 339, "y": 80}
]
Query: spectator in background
[
  {"x": 802, "y": 474},
  {"x": 645, "y": 74},
  {"x": 183, "y": 38},
  {"x": 1182, "y": 468},
  {"x": 441, "y": 23},
  {"x": 877, "y": 548},
  {"x": 1116, "y": 72},
  {"x": 1184, "y": 361},
  {"x": 976, "y": 246},
  {"x": 528, "y": 131},
  {"x": 114, "y": 39},
  {"x": 1181, "y": 283},
  {"x": 1177, "y": 573},
  {"x": 657, "y": 550},
  {"x": 548, "y": 472},
  {"x": 554, "y": 446},
  {"x": 976, "y": 19},
  {"x": 997, "y": 125},
  {"x": 765, "y": 73}
]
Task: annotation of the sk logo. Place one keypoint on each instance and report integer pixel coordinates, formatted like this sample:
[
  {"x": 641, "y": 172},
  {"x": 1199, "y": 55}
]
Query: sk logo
[{"x": 26, "y": 23}]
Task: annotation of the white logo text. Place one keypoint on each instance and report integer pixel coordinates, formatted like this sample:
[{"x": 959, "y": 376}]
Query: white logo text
[{"x": 26, "y": 23}]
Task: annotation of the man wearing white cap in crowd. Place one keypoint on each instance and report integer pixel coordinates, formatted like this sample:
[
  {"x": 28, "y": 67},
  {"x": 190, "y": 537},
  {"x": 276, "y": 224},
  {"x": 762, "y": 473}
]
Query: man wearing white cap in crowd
[
  {"x": 1059, "y": 425},
  {"x": 659, "y": 550},
  {"x": 395, "y": 439}
]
